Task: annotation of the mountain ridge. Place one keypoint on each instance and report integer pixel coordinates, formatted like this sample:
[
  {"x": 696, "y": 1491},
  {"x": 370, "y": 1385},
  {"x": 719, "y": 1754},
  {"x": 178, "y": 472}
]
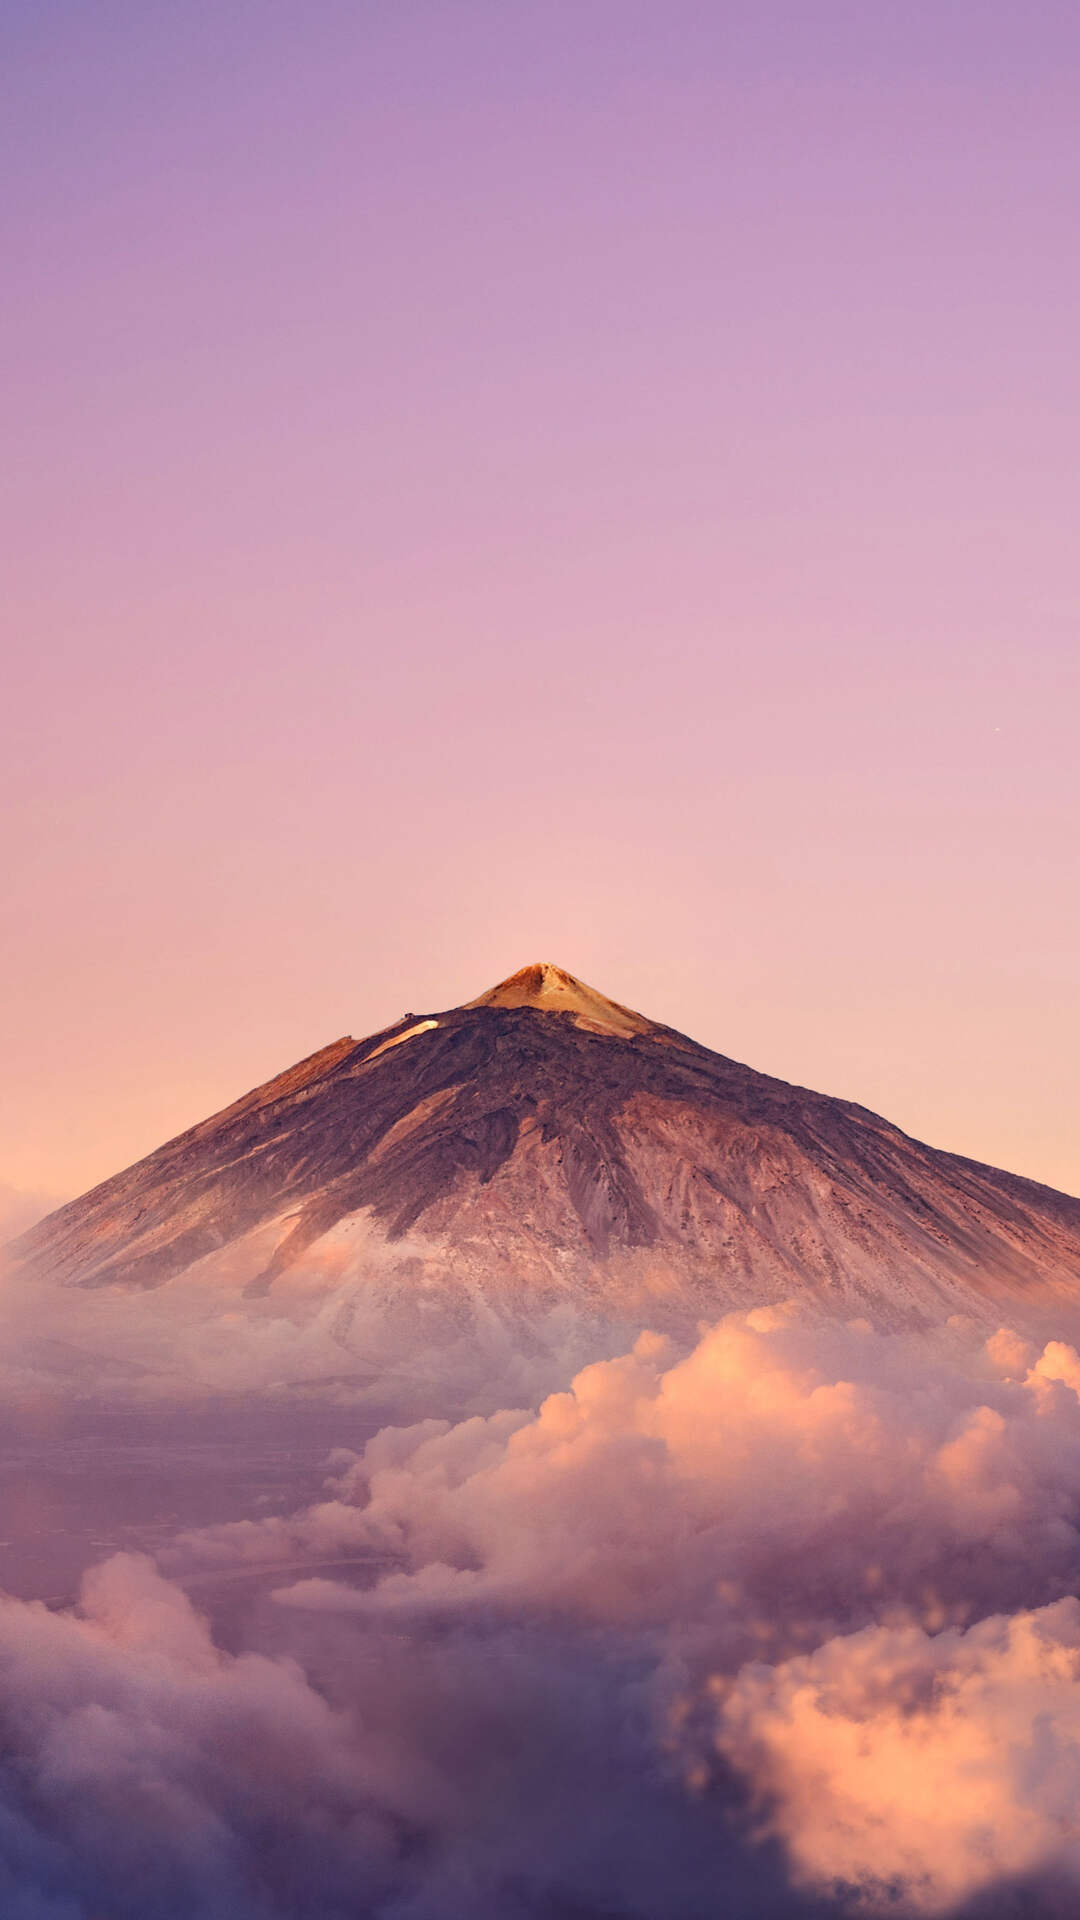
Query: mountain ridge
[{"x": 543, "y": 1144}]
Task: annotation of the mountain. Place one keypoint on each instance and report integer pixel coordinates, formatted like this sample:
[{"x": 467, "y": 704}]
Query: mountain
[{"x": 544, "y": 1149}]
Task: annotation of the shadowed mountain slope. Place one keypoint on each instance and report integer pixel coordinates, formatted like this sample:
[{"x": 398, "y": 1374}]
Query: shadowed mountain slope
[{"x": 544, "y": 1146}]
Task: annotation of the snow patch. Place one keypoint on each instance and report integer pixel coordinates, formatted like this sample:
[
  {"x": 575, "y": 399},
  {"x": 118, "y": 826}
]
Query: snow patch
[{"x": 422, "y": 1026}]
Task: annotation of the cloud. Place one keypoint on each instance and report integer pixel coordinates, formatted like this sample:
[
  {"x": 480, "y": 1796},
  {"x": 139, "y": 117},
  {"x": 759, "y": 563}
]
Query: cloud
[
  {"x": 937, "y": 1764},
  {"x": 787, "y": 1477},
  {"x": 783, "y": 1625},
  {"x": 150, "y": 1775},
  {"x": 789, "y": 1484},
  {"x": 355, "y": 1324}
]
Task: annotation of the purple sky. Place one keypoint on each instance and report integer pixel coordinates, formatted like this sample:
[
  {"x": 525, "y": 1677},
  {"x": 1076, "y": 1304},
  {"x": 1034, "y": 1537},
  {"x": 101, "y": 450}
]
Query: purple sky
[{"x": 593, "y": 482}]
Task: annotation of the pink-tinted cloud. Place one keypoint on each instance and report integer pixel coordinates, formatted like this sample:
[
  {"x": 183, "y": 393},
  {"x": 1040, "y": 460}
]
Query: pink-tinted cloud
[
  {"x": 924, "y": 1767},
  {"x": 785, "y": 1624}
]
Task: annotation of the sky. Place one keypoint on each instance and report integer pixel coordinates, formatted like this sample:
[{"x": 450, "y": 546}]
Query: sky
[{"x": 486, "y": 483}]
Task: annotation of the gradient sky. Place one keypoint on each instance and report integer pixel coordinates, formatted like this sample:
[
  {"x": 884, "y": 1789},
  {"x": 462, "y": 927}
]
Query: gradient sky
[{"x": 492, "y": 481}]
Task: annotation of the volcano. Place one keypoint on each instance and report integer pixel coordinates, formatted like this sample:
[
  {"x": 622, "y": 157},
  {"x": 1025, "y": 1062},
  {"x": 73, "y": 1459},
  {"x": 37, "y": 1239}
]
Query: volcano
[{"x": 543, "y": 1146}]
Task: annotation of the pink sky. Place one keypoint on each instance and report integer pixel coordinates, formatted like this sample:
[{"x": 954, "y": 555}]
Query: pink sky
[{"x": 587, "y": 482}]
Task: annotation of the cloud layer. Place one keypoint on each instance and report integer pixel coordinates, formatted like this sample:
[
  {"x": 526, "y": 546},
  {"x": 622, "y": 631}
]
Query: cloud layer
[
  {"x": 343, "y": 1328},
  {"x": 783, "y": 1625}
]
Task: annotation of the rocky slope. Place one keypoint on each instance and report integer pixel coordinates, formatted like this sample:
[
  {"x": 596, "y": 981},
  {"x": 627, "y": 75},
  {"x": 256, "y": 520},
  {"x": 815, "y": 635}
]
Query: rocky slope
[{"x": 544, "y": 1148}]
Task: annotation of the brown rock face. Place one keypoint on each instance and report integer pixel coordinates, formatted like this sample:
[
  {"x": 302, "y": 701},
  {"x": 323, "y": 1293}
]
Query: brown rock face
[{"x": 543, "y": 1146}]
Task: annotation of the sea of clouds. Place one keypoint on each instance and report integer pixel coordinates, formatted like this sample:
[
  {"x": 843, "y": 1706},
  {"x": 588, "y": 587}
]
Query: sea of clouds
[{"x": 778, "y": 1623}]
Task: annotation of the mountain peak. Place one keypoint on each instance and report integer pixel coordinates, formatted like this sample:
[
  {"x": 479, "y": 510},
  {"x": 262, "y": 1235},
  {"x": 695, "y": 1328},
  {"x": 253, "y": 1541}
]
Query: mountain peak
[
  {"x": 550, "y": 989},
  {"x": 497, "y": 1159}
]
